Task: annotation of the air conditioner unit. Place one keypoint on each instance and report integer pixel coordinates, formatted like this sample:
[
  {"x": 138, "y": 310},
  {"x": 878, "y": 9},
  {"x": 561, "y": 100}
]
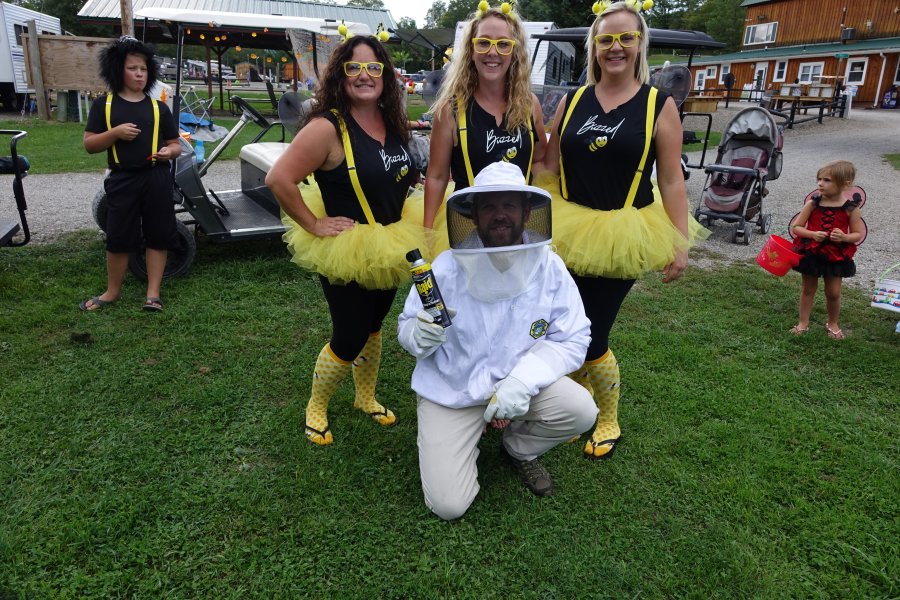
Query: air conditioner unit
[{"x": 848, "y": 34}]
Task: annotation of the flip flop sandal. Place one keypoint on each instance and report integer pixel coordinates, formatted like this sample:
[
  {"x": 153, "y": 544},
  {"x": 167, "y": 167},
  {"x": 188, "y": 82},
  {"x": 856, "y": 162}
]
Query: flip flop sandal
[
  {"x": 95, "y": 304},
  {"x": 320, "y": 438},
  {"x": 797, "y": 330},
  {"x": 384, "y": 412},
  {"x": 591, "y": 445},
  {"x": 835, "y": 334},
  {"x": 153, "y": 305}
]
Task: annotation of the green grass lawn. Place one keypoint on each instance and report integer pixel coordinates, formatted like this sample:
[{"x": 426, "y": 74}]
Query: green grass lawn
[{"x": 151, "y": 455}]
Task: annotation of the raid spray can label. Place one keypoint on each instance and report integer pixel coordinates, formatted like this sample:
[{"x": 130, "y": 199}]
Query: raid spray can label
[{"x": 427, "y": 288}]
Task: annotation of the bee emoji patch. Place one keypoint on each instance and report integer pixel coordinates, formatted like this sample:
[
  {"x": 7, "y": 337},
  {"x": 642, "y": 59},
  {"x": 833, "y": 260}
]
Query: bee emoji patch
[{"x": 597, "y": 143}]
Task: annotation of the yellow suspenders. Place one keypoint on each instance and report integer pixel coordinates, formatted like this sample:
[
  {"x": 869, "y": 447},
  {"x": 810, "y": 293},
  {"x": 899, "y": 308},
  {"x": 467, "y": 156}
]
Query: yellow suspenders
[
  {"x": 109, "y": 99},
  {"x": 351, "y": 169},
  {"x": 651, "y": 116},
  {"x": 464, "y": 142}
]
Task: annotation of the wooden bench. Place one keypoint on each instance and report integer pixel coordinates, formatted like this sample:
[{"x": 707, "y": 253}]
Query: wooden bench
[{"x": 779, "y": 102}]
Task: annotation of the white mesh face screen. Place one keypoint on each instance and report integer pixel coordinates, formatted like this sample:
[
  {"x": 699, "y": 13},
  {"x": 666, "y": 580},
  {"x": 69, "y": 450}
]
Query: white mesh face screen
[{"x": 498, "y": 219}]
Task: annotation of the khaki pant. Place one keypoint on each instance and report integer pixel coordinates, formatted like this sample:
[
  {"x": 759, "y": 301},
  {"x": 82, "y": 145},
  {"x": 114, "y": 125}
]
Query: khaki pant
[{"x": 448, "y": 441}]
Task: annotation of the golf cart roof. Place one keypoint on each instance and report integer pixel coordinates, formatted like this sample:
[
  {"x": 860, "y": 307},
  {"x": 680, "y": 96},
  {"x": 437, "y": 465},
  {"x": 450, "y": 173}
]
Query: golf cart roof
[
  {"x": 232, "y": 20},
  {"x": 659, "y": 38}
]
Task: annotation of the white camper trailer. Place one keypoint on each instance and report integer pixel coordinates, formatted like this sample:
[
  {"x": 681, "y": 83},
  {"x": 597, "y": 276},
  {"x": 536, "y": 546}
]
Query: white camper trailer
[
  {"x": 13, "y": 23},
  {"x": 554, "y": 63}
]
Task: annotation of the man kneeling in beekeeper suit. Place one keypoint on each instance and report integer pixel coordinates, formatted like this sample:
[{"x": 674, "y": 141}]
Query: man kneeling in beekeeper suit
[{"x": 518, "y": 328}]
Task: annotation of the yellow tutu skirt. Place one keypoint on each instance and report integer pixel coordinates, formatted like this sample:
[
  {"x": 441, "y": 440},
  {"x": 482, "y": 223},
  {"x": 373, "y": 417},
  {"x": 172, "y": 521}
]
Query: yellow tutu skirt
[
  {"x": 374, "y": 255},
  {"x": 438, "y": 239},
  {"x": 622, "y": 244}
]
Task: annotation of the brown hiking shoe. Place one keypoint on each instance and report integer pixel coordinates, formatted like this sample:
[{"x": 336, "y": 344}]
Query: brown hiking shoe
[{"x": 533, "y": 474}]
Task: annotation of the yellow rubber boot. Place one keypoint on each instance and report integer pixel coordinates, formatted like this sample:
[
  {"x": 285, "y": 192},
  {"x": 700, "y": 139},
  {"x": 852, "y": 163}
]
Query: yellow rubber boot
[
  {"x": 330, "y": 371},
  {"x": 365, "y": 374},
  {"x": 603, "y": 374}
]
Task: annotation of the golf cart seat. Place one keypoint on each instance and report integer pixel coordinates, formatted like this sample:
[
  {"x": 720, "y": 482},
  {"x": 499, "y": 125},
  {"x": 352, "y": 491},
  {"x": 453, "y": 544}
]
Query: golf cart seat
[
  {"x": 263, "y": 155},
  {"x": 256, "y": 160}
]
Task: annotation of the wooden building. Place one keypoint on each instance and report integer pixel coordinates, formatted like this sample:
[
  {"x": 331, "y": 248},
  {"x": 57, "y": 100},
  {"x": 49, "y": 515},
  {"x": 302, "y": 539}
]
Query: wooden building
[{"x": 813, "y": 48}]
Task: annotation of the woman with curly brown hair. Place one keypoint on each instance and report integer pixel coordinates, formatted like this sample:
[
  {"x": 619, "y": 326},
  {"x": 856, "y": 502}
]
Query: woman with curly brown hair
[
  {"x": 353, "y": 226},
  {"x": 485, "y": 111}
]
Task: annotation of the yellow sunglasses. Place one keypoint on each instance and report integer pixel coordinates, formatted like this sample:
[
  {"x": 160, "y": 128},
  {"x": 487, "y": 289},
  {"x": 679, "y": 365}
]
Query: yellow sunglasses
[
  {"x": 354, "y": 68},
  {"x": 484, "y": 45},
  {"x": 626, "y": 39}
]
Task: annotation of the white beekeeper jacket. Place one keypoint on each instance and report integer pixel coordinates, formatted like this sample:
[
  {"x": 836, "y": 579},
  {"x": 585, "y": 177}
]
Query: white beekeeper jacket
[{"x": 542, "y": 333}]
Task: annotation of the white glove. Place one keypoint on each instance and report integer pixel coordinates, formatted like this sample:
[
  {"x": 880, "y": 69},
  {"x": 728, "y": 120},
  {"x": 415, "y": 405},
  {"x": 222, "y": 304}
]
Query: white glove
[
  {"x": 511, "y": 399},
  {"x": 426, "y": 333}
]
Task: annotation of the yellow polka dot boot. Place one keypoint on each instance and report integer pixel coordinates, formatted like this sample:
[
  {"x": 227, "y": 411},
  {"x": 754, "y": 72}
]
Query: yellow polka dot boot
[
  {"x": 365, "y": 374},
  {"x": 330, "y": 371},
  {"x": 603, "y": 374}
]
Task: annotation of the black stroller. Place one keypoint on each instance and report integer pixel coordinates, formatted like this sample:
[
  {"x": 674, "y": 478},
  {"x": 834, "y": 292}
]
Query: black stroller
[{"x": 749, "y": 156}]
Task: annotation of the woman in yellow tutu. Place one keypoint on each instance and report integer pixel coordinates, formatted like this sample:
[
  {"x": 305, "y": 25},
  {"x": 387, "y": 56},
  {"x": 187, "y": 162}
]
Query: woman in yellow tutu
[
  {"x": 353, "y": 226},
  {"x": 485, "y": 111},
  {"x": 611, "y": 222}
]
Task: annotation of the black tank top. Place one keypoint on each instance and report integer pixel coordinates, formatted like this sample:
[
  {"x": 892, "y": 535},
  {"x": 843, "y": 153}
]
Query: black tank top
[
  {"x": 488, "y": 144},
  {"x": 385, "y": 175},
  {"x": 601, "y": 151}
]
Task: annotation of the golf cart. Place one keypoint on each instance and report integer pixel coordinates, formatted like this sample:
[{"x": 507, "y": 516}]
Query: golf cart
[
  {"x": 251, "y": 212},
  {"x": 17, "y": 166},
  {"x": 674, "y": 81}
]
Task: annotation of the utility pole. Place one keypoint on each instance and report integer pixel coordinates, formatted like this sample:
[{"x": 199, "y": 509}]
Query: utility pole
[{"x": 127, "y": 20}]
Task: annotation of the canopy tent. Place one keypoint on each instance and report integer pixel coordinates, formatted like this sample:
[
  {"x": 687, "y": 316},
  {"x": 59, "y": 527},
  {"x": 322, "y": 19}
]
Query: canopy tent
[
  {"x": 229, "y": 29},
  {"x": 432, "y": 39}
]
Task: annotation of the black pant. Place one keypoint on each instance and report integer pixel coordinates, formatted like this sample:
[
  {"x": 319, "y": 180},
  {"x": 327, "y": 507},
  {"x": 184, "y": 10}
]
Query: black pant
[
  {"x": 602, "y": 297},
  {"x": 140, "y": 201},
  {"x": 355, "y": 314}
]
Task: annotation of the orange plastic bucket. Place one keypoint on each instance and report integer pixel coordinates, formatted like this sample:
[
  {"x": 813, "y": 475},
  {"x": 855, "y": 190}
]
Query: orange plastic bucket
[{"x": 777, "y": 256}]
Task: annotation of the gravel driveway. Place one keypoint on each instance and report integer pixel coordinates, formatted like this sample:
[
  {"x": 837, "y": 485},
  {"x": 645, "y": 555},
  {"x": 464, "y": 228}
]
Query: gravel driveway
[{"x": 62, "y": 203}]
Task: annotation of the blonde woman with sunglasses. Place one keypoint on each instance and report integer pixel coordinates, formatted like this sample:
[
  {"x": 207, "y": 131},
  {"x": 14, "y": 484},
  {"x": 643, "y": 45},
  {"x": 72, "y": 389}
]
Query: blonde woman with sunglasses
[
  {"x": 611, "y": 222},
  {"x": 485, "y": 111},
  {"x": 354, "y": 225}
]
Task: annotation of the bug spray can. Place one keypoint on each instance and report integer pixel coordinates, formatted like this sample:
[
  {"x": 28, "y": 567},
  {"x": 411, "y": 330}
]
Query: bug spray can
[{"x": 427, "y": 287}]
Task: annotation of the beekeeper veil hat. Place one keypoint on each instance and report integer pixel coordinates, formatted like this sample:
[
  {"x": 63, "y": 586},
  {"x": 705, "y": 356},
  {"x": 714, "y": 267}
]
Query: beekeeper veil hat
[{"x": 500, "y": 231}]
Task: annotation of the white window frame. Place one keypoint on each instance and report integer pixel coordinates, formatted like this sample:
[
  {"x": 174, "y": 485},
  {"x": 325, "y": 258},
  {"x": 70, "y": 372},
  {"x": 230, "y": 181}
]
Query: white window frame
[
  {"x": 865, "y": 62},
  {"x": 780, "y": 65},
  {"x": 768, "y": 35},
  {"x": 727, "y": 69},
  {"x": 811, "y": 76},
  {"x": 897, "y": 74}
]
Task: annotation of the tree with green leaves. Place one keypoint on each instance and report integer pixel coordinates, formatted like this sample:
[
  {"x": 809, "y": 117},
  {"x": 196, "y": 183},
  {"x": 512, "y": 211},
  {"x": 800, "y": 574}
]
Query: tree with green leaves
[
  {"x": 400, "y": 57},
  {"x": 366, "y": 3},
  {"x": 458, "y": 10},
  {"x": 434, "y": 14},
  {"x": 406, "y": 23},
  {"x": 722, "y": 19},
  {"x": 66, "y": 11}
]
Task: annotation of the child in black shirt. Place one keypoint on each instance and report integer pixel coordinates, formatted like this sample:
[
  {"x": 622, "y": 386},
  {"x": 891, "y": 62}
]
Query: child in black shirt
[{"x": 140, "y": 138}]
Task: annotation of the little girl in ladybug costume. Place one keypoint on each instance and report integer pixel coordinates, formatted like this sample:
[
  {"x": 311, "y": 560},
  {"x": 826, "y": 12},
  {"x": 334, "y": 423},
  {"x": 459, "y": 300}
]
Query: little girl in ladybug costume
[{"x": 826, "y": 233}]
